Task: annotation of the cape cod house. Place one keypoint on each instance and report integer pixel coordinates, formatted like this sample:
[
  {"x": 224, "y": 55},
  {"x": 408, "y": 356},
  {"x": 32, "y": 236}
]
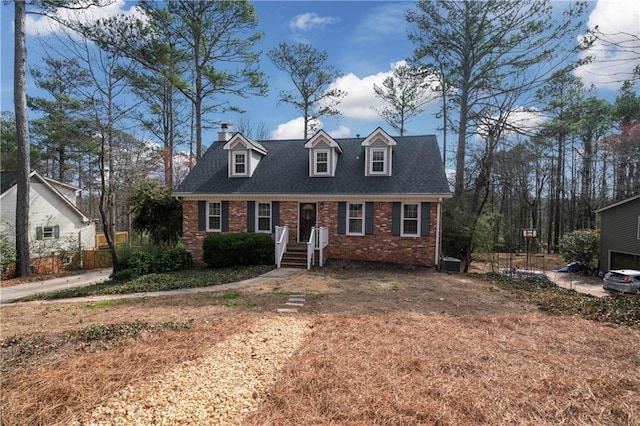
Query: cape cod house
[
  {"x": 56, "y": 225},
  {"x": 376, "y": 198}
]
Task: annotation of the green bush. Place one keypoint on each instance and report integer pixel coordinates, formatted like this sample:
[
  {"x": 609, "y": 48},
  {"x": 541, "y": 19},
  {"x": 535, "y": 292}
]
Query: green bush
[
  {"x": 581, "y": 245},
  {"x": 124, "y": 253},
  {"x": 220, "y": 250},
  {"x": 124, "y": 275},
  {"x": 160, "y": 260}
]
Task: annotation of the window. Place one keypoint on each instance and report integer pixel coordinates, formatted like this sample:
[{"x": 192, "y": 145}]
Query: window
[
  {"x": 214, "y": 216},
  {"x": 378, "y": 161},
  {"x": 239, "y": 164},
  {"x": 322, "y": 162},
  {"x": 410, "y": 220},
  {"x": 638, "y": 233},
  {"x": 355, "y": 219},
  {"x": 47, "y": 232},
  {"x": 264, "y": 217}
]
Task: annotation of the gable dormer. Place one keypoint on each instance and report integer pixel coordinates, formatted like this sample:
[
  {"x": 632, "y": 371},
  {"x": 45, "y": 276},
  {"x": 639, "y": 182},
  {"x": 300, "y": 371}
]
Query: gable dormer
[
  {"x": 244, "y": 155},
  {"x": 378, "y": 153},
  {"x": 323, "y": 155}
]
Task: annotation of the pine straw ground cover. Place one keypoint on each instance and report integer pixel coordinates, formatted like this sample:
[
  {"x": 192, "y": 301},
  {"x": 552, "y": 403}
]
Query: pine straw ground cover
[{"x": 380, "y": 347}]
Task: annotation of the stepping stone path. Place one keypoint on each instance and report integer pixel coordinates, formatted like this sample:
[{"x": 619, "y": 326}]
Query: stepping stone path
[{"x": 295, "y": 301}]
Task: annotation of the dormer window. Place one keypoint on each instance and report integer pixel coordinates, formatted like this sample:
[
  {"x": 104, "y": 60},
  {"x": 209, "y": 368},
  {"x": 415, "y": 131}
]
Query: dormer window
[
  {"x": 378, "y": 161},
  {"x": 322, "y": 162},
  {"x": 378, "y": 148},
  {"x": 244, "y": 155},
  {"x": 323, "y": 155},
  {"x": 240, "y": 164}
]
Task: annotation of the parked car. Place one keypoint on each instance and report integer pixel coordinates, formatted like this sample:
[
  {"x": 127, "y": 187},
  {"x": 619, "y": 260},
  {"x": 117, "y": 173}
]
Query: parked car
[
  {"x": 570, "y": 267},
  {"x": 622, "y": 280}
]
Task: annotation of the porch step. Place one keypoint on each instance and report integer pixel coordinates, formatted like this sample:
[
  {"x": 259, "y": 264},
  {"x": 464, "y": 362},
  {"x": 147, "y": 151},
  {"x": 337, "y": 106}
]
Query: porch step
[{"x": 295, "y": 256}]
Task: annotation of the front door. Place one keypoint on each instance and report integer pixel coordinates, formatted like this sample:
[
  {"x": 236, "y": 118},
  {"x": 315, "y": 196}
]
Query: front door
[{"x": 307, "y": 221}]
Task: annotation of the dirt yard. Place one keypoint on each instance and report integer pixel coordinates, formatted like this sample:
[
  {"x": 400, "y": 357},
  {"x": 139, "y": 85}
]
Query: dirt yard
[{"x": 368, "y": 347}]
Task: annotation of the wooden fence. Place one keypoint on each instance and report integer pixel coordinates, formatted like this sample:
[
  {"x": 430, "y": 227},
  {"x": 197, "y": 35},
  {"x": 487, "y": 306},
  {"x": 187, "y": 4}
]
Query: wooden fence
[{"x": 121, "y": 238}]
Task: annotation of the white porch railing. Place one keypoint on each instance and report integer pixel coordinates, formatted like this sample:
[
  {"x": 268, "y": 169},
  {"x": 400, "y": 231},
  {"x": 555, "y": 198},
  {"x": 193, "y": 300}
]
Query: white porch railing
[
  {"x": 318, "y": 240},
  {"x": 282, "y": 237},
  {"x": 311, "y": 247},
  {"x": 323, "y": 241}
]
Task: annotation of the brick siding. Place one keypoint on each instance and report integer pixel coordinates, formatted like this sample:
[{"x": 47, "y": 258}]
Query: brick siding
[{"x": 381, "y": 246}]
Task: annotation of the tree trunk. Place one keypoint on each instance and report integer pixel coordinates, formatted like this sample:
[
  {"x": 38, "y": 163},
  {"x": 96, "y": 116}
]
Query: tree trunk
[
  {"x": 462, "y": 141},
  {"x": 105, "y": 202},
  {"x": 23, "y": 260}
]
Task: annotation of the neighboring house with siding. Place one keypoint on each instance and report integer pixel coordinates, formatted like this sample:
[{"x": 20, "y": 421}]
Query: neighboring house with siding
[
  {"x": 55, "y": 222},
  {"x": 377, "y": 198},
  {"x": 620, "y": 235}
]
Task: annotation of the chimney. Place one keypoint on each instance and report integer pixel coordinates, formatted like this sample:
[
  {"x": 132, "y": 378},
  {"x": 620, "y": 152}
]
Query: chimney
[{"x": 223, "y": 136}]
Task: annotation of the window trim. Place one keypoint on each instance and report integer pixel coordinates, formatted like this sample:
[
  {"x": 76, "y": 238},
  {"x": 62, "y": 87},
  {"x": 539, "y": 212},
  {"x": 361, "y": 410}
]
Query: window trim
[
  {"x": 48, "y": 232},
  {"x": 258, "y": 217},
  {"x": 315, "y": 161},
  {"x": 209, "y": 216},
  {"x": 416, "y": 219},
  {"x": 53, "y": 231},
  {"x": 349, "y": 218},
  {"x": 384, "y": 152},
  {"x": 235, "y": 163}
]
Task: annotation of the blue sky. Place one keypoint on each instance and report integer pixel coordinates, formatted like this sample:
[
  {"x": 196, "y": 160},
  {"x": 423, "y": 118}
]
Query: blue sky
[{"x": 364, "y": 39}]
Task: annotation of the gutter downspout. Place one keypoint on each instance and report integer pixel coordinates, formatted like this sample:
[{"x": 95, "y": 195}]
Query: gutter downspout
[{"x": 438, "y": 234}]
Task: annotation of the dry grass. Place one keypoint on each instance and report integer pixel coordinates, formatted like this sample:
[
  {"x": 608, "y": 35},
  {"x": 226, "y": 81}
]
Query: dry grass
[
  {"x": 384, "y": 347},
  {"x": 414, "y": 369},
  {"x": 64, "y": 388}
]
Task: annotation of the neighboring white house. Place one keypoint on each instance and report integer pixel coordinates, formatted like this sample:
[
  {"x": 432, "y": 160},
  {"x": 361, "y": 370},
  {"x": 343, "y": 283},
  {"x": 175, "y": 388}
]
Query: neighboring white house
[{"x": 55, "y": 223}]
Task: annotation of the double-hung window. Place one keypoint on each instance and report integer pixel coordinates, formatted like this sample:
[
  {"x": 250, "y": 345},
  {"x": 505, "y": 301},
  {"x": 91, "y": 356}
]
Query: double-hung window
[
  {"x": 355, "y": 219},
  {"x": 240, "y": 164},
  {"x": 214, "y": 215},
  {"x": 47, "y": 232},
  {"x": 322, "y": 162},
  {"x": 264, "y": 217},
  {"x": 410, "y": 220},
  {"x": 378, "y": 161}
]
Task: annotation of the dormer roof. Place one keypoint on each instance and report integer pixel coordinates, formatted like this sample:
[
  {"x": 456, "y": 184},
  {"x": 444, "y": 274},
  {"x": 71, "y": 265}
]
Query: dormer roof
[
  {"x": 323, "y": 137},
  {"x": 248, "y": 143},
  {"x": 379, "y": 136}
]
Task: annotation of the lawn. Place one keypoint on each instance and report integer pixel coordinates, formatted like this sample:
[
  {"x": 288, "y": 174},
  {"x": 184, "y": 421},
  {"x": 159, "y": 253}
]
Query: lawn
[{"x": 369, "y": 346}]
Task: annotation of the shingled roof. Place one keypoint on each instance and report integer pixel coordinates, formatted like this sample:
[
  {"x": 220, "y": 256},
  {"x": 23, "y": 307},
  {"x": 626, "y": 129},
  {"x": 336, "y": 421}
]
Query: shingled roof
[
  {"x": 417, "y": 170},
  {"x": 8, "y": 178}
]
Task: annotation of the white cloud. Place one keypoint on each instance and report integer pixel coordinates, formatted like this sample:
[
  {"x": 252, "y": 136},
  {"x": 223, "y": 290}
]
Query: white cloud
[
  {"x": 618, "y": 22},
  {"x": 525, "y": 120},
  {"x": 340, "y": 132},
  {"x": 293, "y": 129},
  {"x": 43, "y": 26},
  {"x": 311, "y": 20},
  {"x": 361, "y": 101}
]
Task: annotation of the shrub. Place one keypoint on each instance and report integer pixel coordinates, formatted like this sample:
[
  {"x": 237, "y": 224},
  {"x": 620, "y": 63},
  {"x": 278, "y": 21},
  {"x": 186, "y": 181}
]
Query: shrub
[
  {"x": 581, "y": 245},
  {"x": 220, "y": 250},
  {"x": 7, "y": 252},
  {"x": 124, "y": 253},
  {"x": 161, "y": 260},
  {"x": 124, "y": 275}
]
